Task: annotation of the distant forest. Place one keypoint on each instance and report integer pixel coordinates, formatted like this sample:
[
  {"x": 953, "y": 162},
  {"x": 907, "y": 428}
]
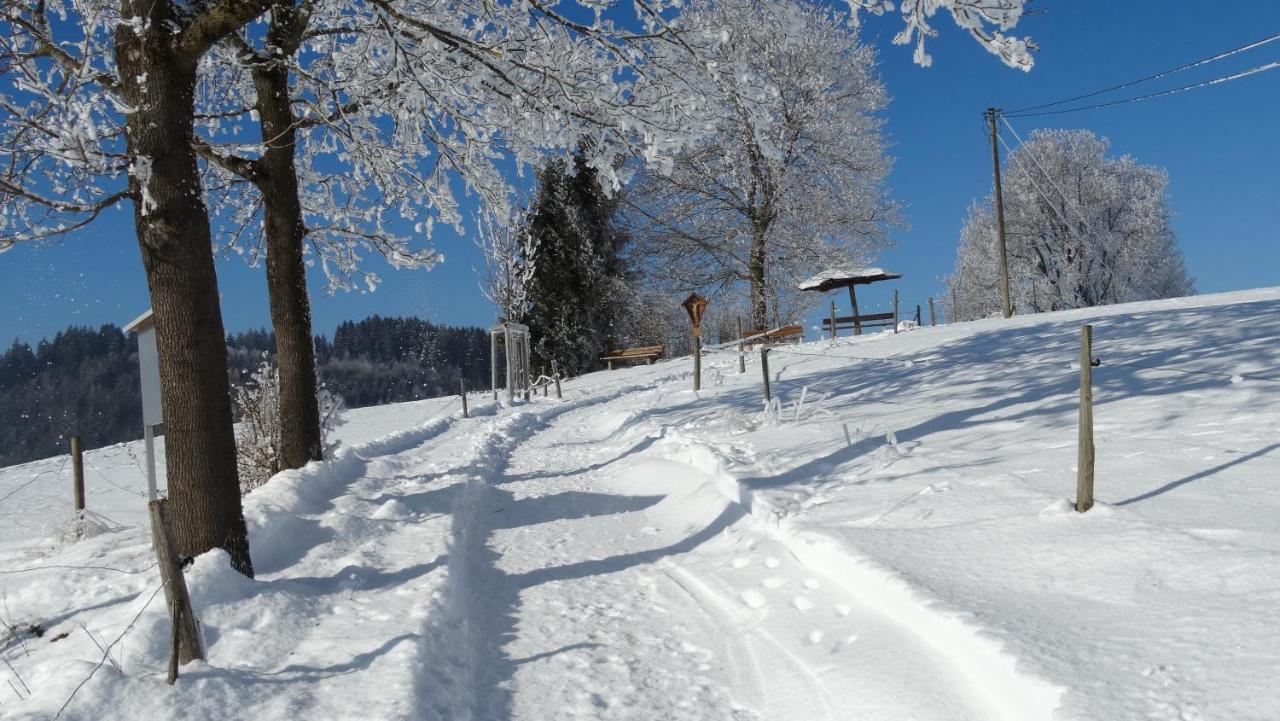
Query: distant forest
[{"x": 85, "y": 381}]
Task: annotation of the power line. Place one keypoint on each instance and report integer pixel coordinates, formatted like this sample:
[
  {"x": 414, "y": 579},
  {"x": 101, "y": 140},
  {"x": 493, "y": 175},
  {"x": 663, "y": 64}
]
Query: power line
[
  {"x": 1172, "y": 91},
  {"x": 1157, "y": 76}
]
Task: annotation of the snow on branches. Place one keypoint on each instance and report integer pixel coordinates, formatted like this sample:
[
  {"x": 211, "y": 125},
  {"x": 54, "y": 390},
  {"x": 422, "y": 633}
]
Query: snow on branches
[
  {"x": 972, "y": 15},
  {"x": 1082, "y": 230},
  {"x": 510, "y": 257},
  {"x": 792, "y": 174}
]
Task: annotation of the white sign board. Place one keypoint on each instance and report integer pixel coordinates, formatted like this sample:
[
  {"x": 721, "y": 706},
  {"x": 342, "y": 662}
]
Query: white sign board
[
  {"x": 149, "y": 362},
  {"x": 149, "y": 365},
  {"x": 152, "y": 415}
]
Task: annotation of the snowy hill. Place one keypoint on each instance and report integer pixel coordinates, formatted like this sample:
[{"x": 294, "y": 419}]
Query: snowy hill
[{"x": 895, "y": 541}]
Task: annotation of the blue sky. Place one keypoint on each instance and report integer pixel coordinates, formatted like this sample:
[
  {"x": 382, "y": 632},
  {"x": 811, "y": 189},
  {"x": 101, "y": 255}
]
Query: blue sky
[{"x": 1221, "y": 146}]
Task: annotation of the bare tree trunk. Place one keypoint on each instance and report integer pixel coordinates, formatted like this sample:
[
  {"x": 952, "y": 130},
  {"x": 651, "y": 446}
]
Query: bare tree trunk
[
  {"x": 755, "y": 275},
  {"x": 172, "y": 224},
  {"x": 285, "y": 233}
]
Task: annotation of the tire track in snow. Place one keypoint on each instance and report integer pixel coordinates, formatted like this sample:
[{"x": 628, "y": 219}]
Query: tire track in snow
[
  {"x": 978, "y": 662},
  {"x": 464, "y": 672}
]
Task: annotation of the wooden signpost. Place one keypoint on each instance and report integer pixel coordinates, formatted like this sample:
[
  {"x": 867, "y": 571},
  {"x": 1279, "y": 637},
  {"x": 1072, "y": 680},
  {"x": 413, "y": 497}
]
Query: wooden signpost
[{"x": 695, "y": 305}]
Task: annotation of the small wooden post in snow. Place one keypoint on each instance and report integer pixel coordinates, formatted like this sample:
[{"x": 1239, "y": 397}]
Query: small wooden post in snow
[
  {"x": 1084, "y": 467},
  {"x": 933, "y": 316},
  {"x": 555, "y": 373},
  {"x": 764, "y": 368},
  {"x": 833, "y": 319},
  {"x": 462, "y": 390},
  {"x": 895, "y": 310},
  {"x": 77, "y": 473},
  {"x": 742, "y": 359}
]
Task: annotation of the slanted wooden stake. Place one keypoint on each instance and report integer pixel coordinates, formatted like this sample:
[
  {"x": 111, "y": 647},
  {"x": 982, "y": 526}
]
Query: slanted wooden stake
[
  {"x": 742, "y": 359},
  {"x": 1084, "y": 467},
  {"x": 186, "y": 644},
  {"x": 462, "y": 390},
  {"x": 764, "y": 368},
  {"x": 77, "y": 473}
]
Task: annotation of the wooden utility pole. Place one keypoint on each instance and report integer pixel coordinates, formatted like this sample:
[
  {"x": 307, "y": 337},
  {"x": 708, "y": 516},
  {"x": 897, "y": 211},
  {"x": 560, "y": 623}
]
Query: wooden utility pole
[
  {"x": 1084, "y": 461},
  {"x": 77, "y": 473},
  {"x": 764, "y": 368},
  {"x": 992, "y": 113},
  {"x": 742, "y": 360},
  {"x": 462, "y": 390}
]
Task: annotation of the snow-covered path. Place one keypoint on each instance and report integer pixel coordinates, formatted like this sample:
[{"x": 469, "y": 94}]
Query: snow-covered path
[
  {"x": 555, "y": 561},
  {"x": 638, "y": 577},
  {"x": 895, "y": 541}
]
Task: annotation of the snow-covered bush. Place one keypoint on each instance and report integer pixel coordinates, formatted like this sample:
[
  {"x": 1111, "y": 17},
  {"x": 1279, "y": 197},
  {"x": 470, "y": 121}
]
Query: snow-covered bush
[{"x": 258, "y": 433}]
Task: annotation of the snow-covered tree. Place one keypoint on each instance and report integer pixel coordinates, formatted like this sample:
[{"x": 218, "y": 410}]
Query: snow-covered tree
[
  {"x": 792, "y": 175},
  {"x": 1082, "y": 229},
  {"x": 510, "y": 258},
  {"x": 577, "y": 294}
]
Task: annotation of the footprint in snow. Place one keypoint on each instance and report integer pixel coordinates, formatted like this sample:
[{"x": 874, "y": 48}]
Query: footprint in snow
[
  {"x": 753, "y": 599},
  {"x": 841, "y": 645},
  {"x": 802, "y": 603}
]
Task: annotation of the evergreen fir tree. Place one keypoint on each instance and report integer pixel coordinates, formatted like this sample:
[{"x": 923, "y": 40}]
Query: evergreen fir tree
[{"x": 580, "y": 279}]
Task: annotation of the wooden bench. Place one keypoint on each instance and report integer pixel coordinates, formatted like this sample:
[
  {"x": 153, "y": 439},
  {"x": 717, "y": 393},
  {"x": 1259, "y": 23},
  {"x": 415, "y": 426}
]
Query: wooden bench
[
  {"x": 770, "y": 336},
  {"x": 648, "y": 354},
  {"x": 872, "y": 320}
]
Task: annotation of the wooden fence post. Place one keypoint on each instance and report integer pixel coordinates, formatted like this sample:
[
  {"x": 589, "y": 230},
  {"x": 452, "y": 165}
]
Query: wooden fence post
[
  {"x": 895, "y": 310},
  {"x": 764, "y": 368},
  {"x": 462, "y": 389},
  {"x": 555, "y": 373},
  {"x": 186, "y": 646},
  {"x": 77, "y": 473},
  {"x": 742, "y": 359},
  {"x": 1084, "y": 461},
  {"x": 697, "y": 359},
  {"x": 933, "y": 316},
  {"x": 833, "y": 319}
]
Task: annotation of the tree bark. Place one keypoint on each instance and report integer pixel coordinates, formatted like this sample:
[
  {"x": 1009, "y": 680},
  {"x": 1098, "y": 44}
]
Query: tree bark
[
  {"x": 755, "y": 276},
  {"x": 285, "y": 232},
  {"x": 172, "y": 225}
]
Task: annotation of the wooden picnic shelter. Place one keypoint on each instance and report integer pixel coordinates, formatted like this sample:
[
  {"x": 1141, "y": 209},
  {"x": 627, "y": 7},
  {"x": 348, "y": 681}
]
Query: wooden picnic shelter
[{"x": 851, "y": 277}]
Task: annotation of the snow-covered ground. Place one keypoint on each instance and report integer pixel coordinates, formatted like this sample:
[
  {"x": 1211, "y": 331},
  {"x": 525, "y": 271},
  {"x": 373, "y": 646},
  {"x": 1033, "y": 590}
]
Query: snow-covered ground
[{"x": 900, "y": 545}]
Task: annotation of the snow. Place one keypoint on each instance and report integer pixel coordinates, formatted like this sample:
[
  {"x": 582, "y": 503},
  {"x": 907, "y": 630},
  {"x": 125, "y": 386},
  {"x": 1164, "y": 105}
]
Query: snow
[
  {"x": 848, "y": 273},
  {"x": 903, "y": 546}
]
